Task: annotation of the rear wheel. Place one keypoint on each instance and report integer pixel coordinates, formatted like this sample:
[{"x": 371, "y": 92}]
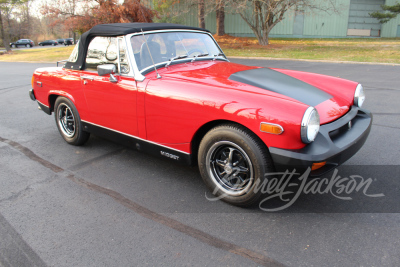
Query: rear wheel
[
  {"x": 69, "y": 123},
  {"x": 28, "y": 45},
  {"x": 232, "y": 162}
]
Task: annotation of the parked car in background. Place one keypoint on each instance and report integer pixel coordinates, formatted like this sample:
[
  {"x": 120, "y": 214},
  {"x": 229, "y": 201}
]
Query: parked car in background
[
  {"x": 48, "y": 42},
  {"x": 69, "y": 41},
  {"x": 22, "y": 42},
  {"x": 60, "y": 41},
  {"x": 169, "y": 90}
]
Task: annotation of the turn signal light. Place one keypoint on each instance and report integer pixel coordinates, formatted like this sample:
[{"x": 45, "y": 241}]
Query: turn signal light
[
  {"x": 318, "y": 165},
  {"x": 33, "y": 80},
  {"x": 271, "y": 128}
]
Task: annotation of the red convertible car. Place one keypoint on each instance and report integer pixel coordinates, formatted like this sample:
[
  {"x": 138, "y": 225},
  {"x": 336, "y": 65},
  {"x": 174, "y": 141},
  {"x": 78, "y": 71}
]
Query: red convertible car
[{"x": 169, "y": 90}]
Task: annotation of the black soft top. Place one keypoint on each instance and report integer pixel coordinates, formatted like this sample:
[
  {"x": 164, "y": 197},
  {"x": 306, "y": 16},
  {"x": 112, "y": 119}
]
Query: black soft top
[{"x": 118, "y": 29}]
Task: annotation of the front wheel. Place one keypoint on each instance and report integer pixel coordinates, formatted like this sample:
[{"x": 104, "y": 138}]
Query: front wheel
[
  {"x": 232, "y": 162},
  {"x": 13, "y": 46},
  {"x": 69, "y": 123}
]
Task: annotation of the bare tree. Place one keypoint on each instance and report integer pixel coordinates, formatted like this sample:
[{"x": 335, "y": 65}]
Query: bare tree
[
  {"x": 201, "y": 5},
  {"x": 3, "y": 35},
  {"x": 220, "y": 13},
  {"x": 4, "y": 4},
  {"x": 263, "y": 15},
  {"x": 92, "y": 12}
]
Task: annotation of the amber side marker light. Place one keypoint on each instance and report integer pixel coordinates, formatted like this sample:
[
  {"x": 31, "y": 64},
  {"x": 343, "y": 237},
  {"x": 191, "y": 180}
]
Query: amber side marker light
[
  {"x": 318, "y": 165},
  {"x": 33, "y": 80},
  {"x": 271, "y": 128}
]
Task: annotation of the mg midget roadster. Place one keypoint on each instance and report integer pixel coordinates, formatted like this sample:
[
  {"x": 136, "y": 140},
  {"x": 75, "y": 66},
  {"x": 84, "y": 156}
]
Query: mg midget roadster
[{"x": 170, "y": 90}]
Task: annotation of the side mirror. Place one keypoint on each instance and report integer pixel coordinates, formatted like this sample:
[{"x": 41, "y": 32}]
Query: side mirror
[{"x": 107, "y": 69}]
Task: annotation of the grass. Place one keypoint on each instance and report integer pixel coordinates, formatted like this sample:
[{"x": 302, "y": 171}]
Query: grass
[
  {"x": 375, "y": 50},
  {"x": 38, "y": 55}
]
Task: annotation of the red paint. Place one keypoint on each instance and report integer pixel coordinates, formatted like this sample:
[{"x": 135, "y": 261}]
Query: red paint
[{"x": 172, "y": 109}]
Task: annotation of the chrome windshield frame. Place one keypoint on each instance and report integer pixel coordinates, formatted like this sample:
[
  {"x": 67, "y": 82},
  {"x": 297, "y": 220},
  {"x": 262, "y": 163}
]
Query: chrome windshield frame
[{"x": 139, "y": 75}]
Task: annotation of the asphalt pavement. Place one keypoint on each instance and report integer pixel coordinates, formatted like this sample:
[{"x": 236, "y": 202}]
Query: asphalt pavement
[{"x": 103, "y": 204}]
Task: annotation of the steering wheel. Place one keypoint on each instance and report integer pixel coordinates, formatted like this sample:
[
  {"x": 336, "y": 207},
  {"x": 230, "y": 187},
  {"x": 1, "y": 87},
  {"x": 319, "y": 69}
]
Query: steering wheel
[{"x": 194, "y": 50}]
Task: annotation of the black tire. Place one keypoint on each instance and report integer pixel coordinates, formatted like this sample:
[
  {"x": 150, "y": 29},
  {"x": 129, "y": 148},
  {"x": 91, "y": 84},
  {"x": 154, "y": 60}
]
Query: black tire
[
  {"x": 69, "y": 123},
  {"x": 232, "y": 162}
]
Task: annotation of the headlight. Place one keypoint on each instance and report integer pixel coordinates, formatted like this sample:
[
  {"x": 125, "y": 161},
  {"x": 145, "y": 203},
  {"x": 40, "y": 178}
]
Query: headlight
[
  {"x": 359, "y": 96},
  {"x": 310, "y": 125}
]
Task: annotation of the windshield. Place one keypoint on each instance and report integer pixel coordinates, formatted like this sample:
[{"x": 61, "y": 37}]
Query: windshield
[{"x": 168, "y": 46}]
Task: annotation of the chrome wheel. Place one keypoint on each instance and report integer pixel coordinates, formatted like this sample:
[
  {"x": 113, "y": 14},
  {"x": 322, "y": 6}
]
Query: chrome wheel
[
  {"x": 230, "y": 168},
  {"x": 66, "y": 120}
]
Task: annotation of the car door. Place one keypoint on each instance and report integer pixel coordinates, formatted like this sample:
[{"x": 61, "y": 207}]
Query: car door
[{"x": 111, "y": 105}]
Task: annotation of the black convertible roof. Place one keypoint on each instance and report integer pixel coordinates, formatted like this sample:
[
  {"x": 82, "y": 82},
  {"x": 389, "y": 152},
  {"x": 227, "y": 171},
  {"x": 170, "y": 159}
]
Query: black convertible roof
[{"x": 118, "y": 29}]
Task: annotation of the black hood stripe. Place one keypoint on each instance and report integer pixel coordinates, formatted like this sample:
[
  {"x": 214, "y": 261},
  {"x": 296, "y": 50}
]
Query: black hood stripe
[{"x": 282, "y": 84}]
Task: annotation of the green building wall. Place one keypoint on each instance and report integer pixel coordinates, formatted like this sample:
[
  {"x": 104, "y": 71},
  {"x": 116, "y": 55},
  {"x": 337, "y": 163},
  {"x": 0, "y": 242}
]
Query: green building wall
[
  {"x": 328, "y": 24},
  {"x": 308, "y": 23},
  {"x": 391, "y": 28}
]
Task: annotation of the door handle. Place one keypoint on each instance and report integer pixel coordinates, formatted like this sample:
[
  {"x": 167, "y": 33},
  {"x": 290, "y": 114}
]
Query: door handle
[{"x": 87, "y": 78}]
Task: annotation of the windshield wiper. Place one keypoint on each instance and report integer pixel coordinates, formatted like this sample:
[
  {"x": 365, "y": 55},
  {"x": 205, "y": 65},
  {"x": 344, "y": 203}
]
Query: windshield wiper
[
  {"x": 175, "y": 58},
  {"x": 217, "y": 55},
  {"x": 199, "y": 55}
]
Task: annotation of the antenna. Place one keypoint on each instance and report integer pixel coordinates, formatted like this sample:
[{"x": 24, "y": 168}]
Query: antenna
[{"x": 154, "y": 65}]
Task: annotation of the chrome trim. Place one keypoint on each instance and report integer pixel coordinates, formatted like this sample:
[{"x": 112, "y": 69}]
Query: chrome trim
[
  {"x": 65, "y": 60},
  {"x": 134, "y": 69},
  {"x": 304, "y": 124},
  {"x": 141, "y": 139},
  {"x": 273, "y": 124},
  {"x": 113, "y": 79},
  {"x": 359, "y": 89},
  {"x": 118, "y": 56},
  {"x": 128, "y": 58},
  {"x": 87, "y": 78}
]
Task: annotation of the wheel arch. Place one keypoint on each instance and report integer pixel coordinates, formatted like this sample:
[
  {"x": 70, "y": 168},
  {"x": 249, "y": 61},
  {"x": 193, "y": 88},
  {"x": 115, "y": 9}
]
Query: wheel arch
[
  {"x": 52, "y": 101},
  {"x": 204, "y": 129},
  {"x": 53, "y": 97}
]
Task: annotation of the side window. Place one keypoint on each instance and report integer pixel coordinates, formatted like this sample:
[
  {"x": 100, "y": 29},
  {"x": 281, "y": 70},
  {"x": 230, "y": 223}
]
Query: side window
[
  {"x": 123, "y": 57},
  {"x": 101, "y": 50},
  {"x": 104, "y": 50},
  {"x": 74, "y": 55}
]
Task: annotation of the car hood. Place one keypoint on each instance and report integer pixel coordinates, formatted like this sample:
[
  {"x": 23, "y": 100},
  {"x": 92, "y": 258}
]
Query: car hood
[{"x": 331, "y": 96}]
